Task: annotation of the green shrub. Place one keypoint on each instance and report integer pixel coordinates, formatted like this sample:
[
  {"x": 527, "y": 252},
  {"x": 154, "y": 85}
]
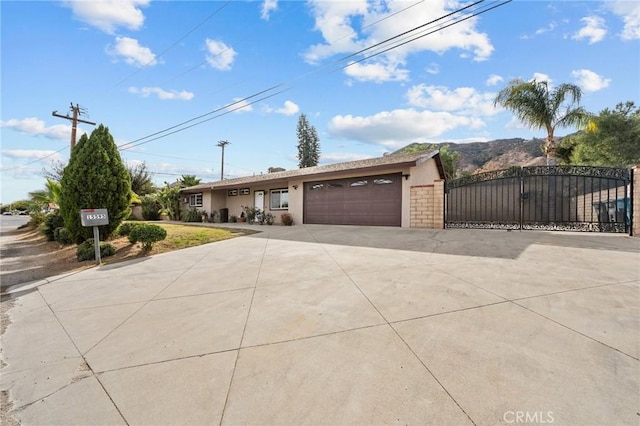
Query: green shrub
[
  {"x": 147, "y": 235},
  {"x": 37, "y": 219},
  {"x": 151, "y": 207},
  {"x": 86, "y": 250},
  {"x": 233, "y": 218},
  {"x": 286, "y": 219},
  {"x": 51, "y": 222},
  {"x": 125, "y": 228},
  {"x": 192, "y": 215},
  {"x": 62, "y": 236}
]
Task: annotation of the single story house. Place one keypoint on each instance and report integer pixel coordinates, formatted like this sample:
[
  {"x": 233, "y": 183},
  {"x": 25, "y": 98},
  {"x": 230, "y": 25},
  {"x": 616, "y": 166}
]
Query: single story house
[{"x": 394, "y": 190}]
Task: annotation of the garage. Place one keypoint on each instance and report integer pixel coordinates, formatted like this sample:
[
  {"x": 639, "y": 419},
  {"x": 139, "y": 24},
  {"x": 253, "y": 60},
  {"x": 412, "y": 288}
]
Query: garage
[{"x": 368, "y": 200}]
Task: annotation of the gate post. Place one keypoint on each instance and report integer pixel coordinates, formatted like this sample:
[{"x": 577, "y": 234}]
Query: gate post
[{"x": 634, "y": 193}]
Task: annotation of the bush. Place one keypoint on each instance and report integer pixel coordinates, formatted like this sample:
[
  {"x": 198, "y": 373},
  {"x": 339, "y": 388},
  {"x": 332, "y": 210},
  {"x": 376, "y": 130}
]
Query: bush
[
  {"x": 62, "y": 236},
  {"x": 37, "y": 219},
  {"x": 125, "y": 228},
  {"x": 233, "y": 218},
  {"x": 151, "y": 207},
  {"x": 147, "y": 235},
  {"x": 86, "y": 250},
  {"x": 192, "y": 215},
  {"x": 286, "y": 219},
  {"x": 51, "y": 222}
]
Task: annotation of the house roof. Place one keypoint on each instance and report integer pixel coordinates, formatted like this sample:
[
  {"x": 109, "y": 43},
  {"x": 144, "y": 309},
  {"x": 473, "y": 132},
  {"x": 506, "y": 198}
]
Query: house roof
[{"x": 370, "y": 164}]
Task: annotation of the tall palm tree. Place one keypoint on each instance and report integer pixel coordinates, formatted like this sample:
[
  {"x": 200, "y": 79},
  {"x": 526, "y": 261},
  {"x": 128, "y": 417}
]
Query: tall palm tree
[
  {"x": 539, "y": 106},
  {"x": 49, "y": 195}
]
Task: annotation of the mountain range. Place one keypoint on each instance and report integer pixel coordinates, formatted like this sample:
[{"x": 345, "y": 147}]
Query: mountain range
[{"x": 477, "y": 157}]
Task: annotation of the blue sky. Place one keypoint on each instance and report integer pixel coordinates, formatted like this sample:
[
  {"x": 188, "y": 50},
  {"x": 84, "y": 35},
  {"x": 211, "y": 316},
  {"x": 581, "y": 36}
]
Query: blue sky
[{"x": 141, "y": 66}]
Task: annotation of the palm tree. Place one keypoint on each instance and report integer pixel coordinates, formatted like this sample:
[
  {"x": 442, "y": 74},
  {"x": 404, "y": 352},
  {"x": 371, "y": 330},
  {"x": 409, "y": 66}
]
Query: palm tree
[
  {"x": 541, "y": 107},
  {"x": 49, "y": 195}
]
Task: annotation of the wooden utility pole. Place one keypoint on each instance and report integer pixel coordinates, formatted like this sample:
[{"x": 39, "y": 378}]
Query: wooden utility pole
[
  {"x": 222, "y": 144},
  {"x": 76, "y": 111}
]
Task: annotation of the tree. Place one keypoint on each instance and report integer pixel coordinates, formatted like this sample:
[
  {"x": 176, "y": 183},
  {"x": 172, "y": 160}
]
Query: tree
[
  {"x": 95, "y": 178},
  {"x": 448, "y": 157},
  {"x": 308, "y": 143},
  {"x": 188, "y": 180},
  {"x": 612, "y": 140},
  {"x": 141, "y": 182},
  {"x": 49, "y": 195},
  {"x": 56, "y": 171},
  {"x": 541, "y": 107}
]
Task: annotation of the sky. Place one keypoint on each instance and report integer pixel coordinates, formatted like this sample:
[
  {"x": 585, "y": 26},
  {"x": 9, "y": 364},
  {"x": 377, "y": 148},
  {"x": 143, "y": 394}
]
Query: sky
[{"x": 170, "y": 79}]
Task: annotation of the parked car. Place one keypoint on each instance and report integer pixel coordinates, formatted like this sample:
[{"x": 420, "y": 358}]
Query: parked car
[{"x": 6, "y": 214}]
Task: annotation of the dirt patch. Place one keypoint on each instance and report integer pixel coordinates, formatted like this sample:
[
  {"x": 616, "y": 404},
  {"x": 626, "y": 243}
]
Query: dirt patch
[{"x": 26, "y": 255}]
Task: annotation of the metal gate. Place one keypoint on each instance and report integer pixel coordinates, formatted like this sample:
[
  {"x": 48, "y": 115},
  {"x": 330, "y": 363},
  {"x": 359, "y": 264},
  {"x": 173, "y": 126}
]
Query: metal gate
[{"x": 567, "y": 198}]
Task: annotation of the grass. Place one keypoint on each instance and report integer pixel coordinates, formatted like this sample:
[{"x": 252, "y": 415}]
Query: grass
[{"x": 183, "y": 236}]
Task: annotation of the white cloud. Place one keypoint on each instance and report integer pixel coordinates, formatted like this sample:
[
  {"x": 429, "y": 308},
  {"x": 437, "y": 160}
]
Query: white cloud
[
  {"x": 433, "y": 68},
  {"x": 132, "y": 52},
  {"x": 376, "y": 72},
  {"x": 463, "y": 100},
  {"x": 493, "y": 80},
  {"x": 220, "y": 55},
  {"x": 341, "y": 157},
  {"x": 546, "y": 29},
  {"x": 34, "y": 126},
  {"x": 629, "y": 11},
  {"x": 107, "y": 15},
  {"x": 350, "y": 26},
  {"x": 594, "y": 29},
  {"x": 161, "y": 93},
  {"x": 589, "y": 80},
  {"x": 240, "y": 106},
  {"x": 31, "y": 154},
  {"x": 538, "y": 76},
  {"x": 289, "y": 108},
  {"x": 267, "y": 7},
  {"x": 399, "y": 127}
]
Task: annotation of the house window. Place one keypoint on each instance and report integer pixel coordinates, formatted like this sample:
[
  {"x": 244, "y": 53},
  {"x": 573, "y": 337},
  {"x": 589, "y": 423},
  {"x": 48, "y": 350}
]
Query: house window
[
  {"x": 279, "y": 199},
  {"x": 195, "y": 200}
]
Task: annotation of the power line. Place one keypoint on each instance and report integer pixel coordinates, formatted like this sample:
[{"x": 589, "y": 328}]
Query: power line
[
  {"x": 34, "y": 161},
  {"x": 159, "y": 134}
]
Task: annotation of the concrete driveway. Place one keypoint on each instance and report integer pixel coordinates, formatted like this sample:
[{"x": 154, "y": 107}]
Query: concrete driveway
[{"x": 338, "y": 325}]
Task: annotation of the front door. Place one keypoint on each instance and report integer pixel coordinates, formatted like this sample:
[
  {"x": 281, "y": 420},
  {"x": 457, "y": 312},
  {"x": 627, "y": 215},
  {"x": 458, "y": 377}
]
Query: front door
[{"x": 258, "y": 199}]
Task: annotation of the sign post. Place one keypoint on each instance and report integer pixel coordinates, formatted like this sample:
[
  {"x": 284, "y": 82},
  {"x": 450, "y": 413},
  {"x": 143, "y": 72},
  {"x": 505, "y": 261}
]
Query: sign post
[{"x": 95, "y": 218}]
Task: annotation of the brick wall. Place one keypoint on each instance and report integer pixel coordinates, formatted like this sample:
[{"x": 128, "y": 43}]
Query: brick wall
[{"x": 427, "y": 205}]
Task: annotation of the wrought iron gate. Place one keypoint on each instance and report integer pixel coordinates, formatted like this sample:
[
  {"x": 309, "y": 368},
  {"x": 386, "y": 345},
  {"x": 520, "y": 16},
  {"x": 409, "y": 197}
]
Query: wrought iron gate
[{"x": 568, "y": 198}]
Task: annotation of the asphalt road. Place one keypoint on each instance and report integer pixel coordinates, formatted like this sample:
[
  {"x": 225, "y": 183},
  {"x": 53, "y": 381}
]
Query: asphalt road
[{"x": 9, "y": 223}]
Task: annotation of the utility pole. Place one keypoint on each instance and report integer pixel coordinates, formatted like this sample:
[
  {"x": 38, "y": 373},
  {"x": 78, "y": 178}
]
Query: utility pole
[
  {"x": 222, "y": 144},
  {"x": 76, "y": 110}
]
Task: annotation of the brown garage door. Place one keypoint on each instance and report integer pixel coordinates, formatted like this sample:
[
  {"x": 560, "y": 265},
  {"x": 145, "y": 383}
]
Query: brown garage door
[{"x": 369, "y": 200}]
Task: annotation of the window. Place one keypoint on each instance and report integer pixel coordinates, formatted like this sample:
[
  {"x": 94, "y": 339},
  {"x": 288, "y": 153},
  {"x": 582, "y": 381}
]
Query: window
[
  {"x": 382, "y": 181},
  {"x": 195, "y": 200},
  {"x": 360, "y": 182},
  {"x": 279, "y": 199},
  {"x": 245, "y": 191},
  {"x": 316, "y": 186},
  {"x": 334, "y": 185}
]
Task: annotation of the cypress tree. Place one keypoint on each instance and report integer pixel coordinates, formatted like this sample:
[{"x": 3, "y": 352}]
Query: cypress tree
[
  {"x": 308, "y": 143},
  {"x": 95, "y": 178}
]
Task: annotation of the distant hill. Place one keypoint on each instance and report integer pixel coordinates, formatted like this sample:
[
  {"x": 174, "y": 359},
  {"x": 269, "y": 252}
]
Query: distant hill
[{"x": 498, "y": 154}]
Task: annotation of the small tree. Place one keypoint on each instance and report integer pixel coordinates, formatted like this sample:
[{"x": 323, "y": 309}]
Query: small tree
[
  {"x": 188, "y": 180},
  {"x": 141, "y": 183},
  {"x": 308, "y": 143},
  {"x": 613, "y": 139},
  {"x": 94, "y": 178}
]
